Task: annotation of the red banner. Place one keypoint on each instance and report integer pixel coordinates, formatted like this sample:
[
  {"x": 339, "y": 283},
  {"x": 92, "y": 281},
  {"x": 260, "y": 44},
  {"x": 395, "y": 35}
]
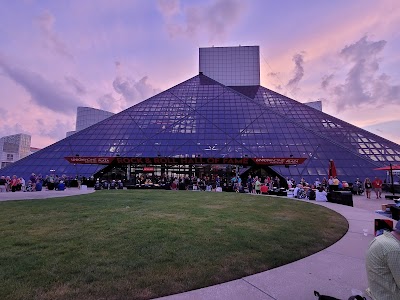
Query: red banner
[
  {"x": 278, "y": 161},
  {"x": 90, "y": 160},
  {"x": 272, "y": 161}
]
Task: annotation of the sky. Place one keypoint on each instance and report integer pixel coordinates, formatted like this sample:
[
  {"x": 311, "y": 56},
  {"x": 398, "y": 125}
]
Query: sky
[{"x": 58, "y": 55}]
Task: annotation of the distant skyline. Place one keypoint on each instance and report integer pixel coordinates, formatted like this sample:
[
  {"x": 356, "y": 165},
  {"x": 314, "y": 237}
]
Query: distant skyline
[{"x": 110, "y": 55}]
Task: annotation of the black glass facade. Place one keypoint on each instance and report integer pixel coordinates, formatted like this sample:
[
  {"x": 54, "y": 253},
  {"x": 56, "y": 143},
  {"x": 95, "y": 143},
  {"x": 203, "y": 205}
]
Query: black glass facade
[{"x": 201, "y": 117}]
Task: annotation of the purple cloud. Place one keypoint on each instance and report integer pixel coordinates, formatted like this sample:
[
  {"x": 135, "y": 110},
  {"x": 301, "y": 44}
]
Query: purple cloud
[
  {"x": 51, "y": 40},
  {"x": 169, "y": 7},
  {"x": 109, "y": 103},
  {"x": 78, "y": 87},
  {"x": 43, "y": 92},
  {"x": 277, "y": 82},
  {"x": 215, "y": 19},
  {"x": 298, "y": 60},
  {"x": 133, "y": 91},
  {"x": 8, "y": 129},
  {"x": 326, "y": 81},
  {"x": 57, "y": 129},
  {"x": 364, "y": 84}
]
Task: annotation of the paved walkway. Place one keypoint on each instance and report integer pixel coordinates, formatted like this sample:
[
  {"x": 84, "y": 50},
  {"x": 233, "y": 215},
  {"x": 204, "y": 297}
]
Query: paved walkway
[
  {"x": 334, "y": 271},
  {"x": 42, "y": 194}
]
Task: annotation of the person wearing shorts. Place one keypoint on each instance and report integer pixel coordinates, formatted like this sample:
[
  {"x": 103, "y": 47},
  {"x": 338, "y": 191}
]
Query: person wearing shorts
[{"x": 377, "y": 185}]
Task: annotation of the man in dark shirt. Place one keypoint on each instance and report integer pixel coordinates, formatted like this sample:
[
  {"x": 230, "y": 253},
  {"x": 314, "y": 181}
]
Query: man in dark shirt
[{"x": 3, "y": 183}]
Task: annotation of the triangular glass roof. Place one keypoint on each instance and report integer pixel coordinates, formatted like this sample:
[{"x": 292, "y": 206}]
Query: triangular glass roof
[{"x": 203, "y": 117}]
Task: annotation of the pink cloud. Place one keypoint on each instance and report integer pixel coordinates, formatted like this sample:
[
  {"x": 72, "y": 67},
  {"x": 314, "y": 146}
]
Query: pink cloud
[
  {"x": 51, "y": 39},
  {"x": 214, "y": 20}
]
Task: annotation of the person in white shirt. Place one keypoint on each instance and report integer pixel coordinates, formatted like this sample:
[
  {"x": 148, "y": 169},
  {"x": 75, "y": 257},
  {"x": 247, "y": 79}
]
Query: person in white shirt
[
  {"x": 317, "y": 183},
  {"x": 22, "y": 181},
  {"x": 289, "y": 183},
  {"x": 296, "y": 190},
  {"x": 321, "y": 195}
]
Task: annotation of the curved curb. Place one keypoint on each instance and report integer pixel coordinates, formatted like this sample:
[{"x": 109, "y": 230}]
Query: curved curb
[
  {"x": 335, "y": 270},
  {"x": 44, "y": 194}
]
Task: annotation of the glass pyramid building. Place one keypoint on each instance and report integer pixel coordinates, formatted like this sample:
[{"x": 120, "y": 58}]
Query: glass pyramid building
[{"x": 202, "y": 117}]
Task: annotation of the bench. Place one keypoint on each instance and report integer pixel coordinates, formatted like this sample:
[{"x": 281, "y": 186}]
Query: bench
[
  {"x": 340, "y": 197},
  {"x": 392, "y": 197}
]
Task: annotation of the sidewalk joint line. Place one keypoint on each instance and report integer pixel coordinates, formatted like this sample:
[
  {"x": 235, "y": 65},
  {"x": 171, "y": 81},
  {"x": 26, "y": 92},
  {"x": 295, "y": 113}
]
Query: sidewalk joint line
[{"x": 258, "y": 289}]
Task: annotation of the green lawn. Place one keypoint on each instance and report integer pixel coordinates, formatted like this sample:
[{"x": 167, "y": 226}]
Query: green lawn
[{"x": 135, "y": 244}]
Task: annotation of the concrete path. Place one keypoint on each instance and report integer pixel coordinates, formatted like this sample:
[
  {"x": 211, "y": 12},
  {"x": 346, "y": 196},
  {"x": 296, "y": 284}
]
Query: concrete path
[
  {"x": 42, "y": 194},
  {"x": 334, "y": 271}
]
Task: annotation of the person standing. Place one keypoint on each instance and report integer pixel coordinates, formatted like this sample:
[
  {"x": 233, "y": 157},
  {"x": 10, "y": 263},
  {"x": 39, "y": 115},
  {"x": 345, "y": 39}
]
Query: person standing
[
  {"x": 358, "y": 188},
  {"x": 317, "y": 183},
  {"x": 324, "y": 183},
  {"x": 336, "y": 182},
  {"x": 377, "y": 185},
  {"x": 383, "y": 266},
  {"x": 289, "y": 182},
  {"x": 277, "y": 182},
  {"x": 257, "y": 185},
  {"x": 330, "y": 183},
  {"x": 23, "y": 183},
  {"x": 250, "y": 184},
  {"x": 368, "y": 187},
  {"x": 8, "y": 184},
  {"x": 3, "y": 183}
]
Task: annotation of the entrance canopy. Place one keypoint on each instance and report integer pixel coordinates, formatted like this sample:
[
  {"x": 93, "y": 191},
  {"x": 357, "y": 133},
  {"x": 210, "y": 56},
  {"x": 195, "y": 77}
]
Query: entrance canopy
[{"x": 245, "y": 161}]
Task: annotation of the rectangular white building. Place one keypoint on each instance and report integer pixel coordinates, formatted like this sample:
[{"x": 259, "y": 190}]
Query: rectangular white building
[{"x": 14, "y": 147}]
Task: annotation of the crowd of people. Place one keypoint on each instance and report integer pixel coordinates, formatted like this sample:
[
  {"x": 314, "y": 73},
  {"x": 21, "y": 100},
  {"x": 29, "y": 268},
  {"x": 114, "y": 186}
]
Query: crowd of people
[
  {"x": 253, "y": 184},
  {"x": 183, "y": 182},
  {"x": 34, "y": 183},
  {"x": 108, "y": 185},
  {"x": 383, "y": 255},
  {"x": 11, "y": 184},
  {"x": 318, "y": 190}
]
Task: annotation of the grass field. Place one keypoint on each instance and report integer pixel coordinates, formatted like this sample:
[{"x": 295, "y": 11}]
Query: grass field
[{"x": 135, "y": 244}]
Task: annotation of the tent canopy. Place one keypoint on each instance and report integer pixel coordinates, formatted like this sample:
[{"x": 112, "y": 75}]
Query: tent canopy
[{"x": 387, "y": 168}]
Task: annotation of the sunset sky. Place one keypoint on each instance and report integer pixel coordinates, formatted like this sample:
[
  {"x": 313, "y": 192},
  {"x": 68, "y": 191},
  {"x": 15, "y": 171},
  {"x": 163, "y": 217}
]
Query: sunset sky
[{"x": 57, "y": 55}]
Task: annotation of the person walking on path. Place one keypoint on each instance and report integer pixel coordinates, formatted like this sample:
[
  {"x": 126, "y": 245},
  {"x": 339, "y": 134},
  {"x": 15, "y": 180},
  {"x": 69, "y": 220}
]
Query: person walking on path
[
  {"x": 383, "y": 266},
  {"x": 368, "y": 187},
  {"x": 377, "y": 185}
]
